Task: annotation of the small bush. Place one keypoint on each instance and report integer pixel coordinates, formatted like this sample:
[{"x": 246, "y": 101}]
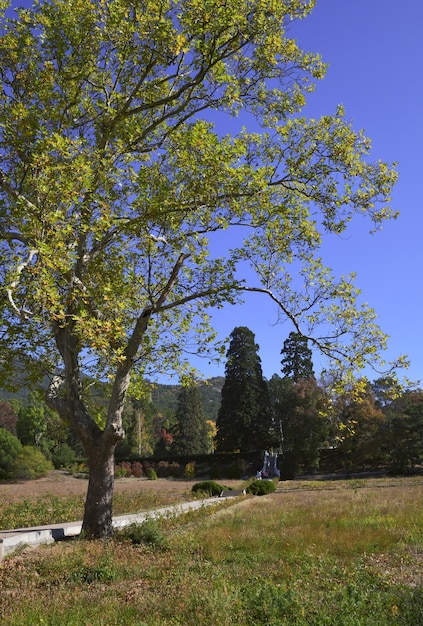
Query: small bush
[
  {"x": 137, "y": 470},
  {"x": 79, "y": 470},
  {"x": 148, "y": 532},
  {"x": 165, "y": 469},
  {"x": 190, "y": 470},
  {"x": 123, "y": 470},
  {"x": 151, "y": 474},
  {"x": 29, "y": 464},
  {"x": 261, "y": 487},
  {"x": 162, "y": 469},
  {"x": 177, "y": 470},
  {"x": 63, "y": 456},
  {"x": 209, "y": 487}
]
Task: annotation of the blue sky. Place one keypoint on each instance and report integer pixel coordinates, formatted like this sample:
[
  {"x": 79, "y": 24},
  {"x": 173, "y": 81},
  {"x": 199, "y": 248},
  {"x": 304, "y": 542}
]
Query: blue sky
[
  {"x": 374, "y": 49},
  {"x": 375, "y": 53}
]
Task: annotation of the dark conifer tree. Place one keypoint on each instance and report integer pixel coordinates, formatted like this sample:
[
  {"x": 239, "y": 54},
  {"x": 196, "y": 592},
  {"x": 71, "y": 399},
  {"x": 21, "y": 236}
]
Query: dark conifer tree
[
  {"x": 297, "y": 360},
  {"x": 244, "y": 420},
  {"x": 190, "y": 431},
  {"x": 298, "y": 404},
  {"x": 299, "y": 408}
]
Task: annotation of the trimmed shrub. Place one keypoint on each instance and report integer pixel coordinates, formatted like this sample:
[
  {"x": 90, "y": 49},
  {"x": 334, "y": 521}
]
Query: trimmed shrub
[
  {"x": 261, "y": 487},
  {"x": 209, "y": 487},
  {"x": 29, "y": 464}
]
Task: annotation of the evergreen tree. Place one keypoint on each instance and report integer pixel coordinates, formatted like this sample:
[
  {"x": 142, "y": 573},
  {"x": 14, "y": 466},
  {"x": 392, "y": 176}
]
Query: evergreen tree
[
  {"x": 299, "y": 409},
  {"x": 190, "y": 436},
  {"x": 405, "y": 431},
  {"x": 244, "y": 419},
  {"x": 297, "y": 358},
  {"x": 297, "y": 404}
]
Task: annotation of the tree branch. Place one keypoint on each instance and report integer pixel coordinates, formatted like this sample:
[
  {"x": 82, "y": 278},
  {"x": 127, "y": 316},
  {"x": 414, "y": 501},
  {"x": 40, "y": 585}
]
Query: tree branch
[
  {"x": 323, "y": 347},
  {"x": 52, "y": 395},
  {"x": 23, "y": 313},
  {"x": 16, "y": 195}
]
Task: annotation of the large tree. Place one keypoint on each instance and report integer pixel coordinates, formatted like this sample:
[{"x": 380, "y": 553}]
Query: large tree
[
  {"x": 404, "y": 430},
  {"x": 361, "y": 426},
  {"x": 190, "y": 431},
  {"x": 297, "y": 358},
  {"x": 244, "y": 419},
  {"x": 116, "y": 172},
  {"x": 301, "y": 422}
]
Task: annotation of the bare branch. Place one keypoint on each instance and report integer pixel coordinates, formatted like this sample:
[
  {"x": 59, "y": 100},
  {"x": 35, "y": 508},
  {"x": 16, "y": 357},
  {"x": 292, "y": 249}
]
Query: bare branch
[
  {"x": 172, "y": 280},
  {"x": 16, "y": 195},
  {"x": 23, "y": 313},
  {"x": 52, "y": 394}
]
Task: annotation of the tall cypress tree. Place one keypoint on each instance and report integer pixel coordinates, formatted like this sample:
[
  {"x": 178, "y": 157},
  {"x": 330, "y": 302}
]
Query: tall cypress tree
[
  {"x": 190, "y": 432},
  {"x": 297, "y": 360},
  {"x": 244, "y": 419}
]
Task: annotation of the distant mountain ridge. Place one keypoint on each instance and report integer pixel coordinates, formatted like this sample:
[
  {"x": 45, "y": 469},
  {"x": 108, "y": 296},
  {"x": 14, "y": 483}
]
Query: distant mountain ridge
[{"x": 164, "y": 397}]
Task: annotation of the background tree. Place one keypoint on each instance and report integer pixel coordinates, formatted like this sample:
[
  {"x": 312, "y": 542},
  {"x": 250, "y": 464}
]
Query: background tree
[
  {"x": 10, "y": 447},
  {"x": 40, "y": 427},
  {"x": 404, "y": 431},
  {"x": 32, "y": 421},
  {"x": 138, "y": 423},
  {"x": 385, "y": 389},
  {"x": 113, "y": 180},
  {"x": 8, "y": 417},
  {"x": 299, "y": 407},
  {"x": 190, "y": 432},
  {"x": 297, "y": 358},
  {"x": 244, "y": 418},
  {"x": 300, "y": 416},
  {"x": 360, "y": 432},
  {"x": 164, "y": 442}
]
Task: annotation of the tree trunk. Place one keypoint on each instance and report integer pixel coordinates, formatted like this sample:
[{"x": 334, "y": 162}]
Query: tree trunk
[{"x": 97, "y": 522}]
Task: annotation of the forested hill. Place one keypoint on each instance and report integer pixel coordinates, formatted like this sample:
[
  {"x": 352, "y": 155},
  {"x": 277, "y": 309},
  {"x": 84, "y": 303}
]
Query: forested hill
[{"x": 165, "y": 397}]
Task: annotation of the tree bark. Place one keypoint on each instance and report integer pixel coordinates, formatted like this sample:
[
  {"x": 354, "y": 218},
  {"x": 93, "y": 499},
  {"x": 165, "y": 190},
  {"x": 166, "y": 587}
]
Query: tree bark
[{"x": 98, "y": 514}]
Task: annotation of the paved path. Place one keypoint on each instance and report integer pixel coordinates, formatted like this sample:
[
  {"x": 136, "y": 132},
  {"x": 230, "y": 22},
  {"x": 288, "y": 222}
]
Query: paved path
[{"x": 10, "y": 540}]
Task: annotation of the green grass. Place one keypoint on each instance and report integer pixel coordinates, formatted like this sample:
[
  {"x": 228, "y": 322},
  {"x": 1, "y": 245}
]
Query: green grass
[
  {"x": 334, "y": 556},
  {"x": 51, "y": 509}
]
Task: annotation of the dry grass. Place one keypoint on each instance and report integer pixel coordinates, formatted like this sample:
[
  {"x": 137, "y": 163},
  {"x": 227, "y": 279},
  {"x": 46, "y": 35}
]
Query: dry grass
[{"x": 337, "y": 556}]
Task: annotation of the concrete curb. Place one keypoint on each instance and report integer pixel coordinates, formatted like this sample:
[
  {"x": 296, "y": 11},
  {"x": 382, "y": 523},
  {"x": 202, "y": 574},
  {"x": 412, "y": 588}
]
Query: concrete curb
[{"x": 11, "y": 540}]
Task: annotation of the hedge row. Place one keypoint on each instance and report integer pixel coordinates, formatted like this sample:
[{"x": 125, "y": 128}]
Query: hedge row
[{"x": 214, "y": 466}]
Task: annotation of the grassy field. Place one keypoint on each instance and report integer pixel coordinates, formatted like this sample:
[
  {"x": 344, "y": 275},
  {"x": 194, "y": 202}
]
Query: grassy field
[{"x": 326, "y": 553}]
